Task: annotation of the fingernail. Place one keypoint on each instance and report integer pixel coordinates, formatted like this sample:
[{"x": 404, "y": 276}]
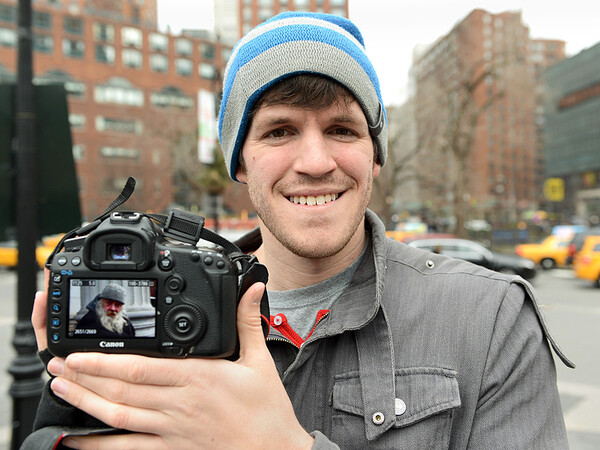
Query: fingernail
[
  {"x": 56, "y": 366},
  {"x": 59, "y": 387}
]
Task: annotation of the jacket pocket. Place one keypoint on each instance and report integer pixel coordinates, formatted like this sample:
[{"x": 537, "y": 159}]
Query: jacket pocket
[{"x": 425, "y": 399}]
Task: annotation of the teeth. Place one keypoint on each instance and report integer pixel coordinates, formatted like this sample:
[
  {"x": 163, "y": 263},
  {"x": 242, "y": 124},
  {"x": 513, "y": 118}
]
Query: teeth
[{"x": 311, "y": 200}]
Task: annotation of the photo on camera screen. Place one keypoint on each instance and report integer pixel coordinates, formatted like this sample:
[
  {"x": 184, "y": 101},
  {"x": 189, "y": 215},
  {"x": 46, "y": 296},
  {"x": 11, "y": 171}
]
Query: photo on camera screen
[{"x": 117, "y": 309}]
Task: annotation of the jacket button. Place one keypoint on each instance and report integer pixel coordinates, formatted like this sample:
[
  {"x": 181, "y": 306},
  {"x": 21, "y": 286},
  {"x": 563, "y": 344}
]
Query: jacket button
[
  {"x": 430, "y": 264},
  {"x": 378, "y": 418},
  {"x": 400, "y": 407}
]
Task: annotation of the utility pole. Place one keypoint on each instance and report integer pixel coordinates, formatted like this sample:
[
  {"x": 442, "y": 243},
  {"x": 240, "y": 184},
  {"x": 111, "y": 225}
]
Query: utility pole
[{"x": 26, "y": 368}]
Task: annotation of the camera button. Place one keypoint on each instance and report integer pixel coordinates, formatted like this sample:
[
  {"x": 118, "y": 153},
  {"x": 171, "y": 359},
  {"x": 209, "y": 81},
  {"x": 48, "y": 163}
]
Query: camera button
[
  {"x": 169, "y": 300},
  {"x": 220, "y": 264},
  {"x": 56, "y": 322},
  {"x": 165, "y": 263},
  {"x": 56, "y": 293},
  {"x": 61, "y": 261},
  {"x": 208, "y": 260},
  {"x": 176, "y": 351},
  {"x": 175, "y": 283},
  {"x": 76, "y": 261},
  {"x": 183, "y": 325},
  {"x": 55, "y": 337},
  {"x": 195, "y": 256},
  {"x": 56, "y": 278},
  {"x": 56, "y": 308}
]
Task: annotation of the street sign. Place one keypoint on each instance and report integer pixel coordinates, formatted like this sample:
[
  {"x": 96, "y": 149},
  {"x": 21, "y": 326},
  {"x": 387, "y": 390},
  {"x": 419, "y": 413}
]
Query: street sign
[{"x": 554, "y": 189}]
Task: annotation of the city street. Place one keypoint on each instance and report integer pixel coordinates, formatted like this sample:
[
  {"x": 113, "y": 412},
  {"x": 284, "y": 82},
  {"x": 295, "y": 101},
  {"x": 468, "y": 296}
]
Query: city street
[{"x": 572, "y": 309}]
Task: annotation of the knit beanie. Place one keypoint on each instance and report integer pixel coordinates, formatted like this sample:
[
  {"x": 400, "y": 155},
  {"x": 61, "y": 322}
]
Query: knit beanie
[
  {"x": 293, "y": 43},
  {"x": 113, "y": 292}
]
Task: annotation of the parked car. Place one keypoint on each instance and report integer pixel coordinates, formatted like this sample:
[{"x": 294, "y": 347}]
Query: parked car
[
  {"x": 478, "y": 254},
  {"x": 9, "y": 253},
  {"x": 587, "y": 262},
  {"x": 549, "y": 253}
]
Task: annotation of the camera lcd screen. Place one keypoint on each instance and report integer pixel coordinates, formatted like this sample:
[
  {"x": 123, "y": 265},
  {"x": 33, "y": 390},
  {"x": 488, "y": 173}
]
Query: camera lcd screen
[{"x": 112, "y": 309}]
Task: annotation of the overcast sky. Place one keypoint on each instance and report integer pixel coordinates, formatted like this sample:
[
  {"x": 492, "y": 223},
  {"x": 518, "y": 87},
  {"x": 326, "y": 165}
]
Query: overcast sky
[{"x": 392, "y": 28}]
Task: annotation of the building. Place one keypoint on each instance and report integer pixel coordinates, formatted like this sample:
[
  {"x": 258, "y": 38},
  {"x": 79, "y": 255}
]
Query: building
[
  {"x": 572, "y": 135},
  {"x": 234, "y": 18},
  {"x": 133, "y": 92},
  {"x": 478, "y": 105}
]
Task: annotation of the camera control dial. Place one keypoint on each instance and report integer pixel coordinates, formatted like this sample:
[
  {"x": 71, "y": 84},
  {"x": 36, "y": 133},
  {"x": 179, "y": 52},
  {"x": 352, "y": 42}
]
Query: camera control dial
[{"x": 184, "y": 323}]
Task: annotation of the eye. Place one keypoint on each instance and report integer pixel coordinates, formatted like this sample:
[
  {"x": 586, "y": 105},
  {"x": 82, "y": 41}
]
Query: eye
[
  {"x": 343, "y": 132},
  {"x": 278, "y": 133}
]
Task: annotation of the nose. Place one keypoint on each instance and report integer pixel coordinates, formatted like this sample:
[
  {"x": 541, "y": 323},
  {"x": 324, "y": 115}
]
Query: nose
[{"x": 314, "y": 157}]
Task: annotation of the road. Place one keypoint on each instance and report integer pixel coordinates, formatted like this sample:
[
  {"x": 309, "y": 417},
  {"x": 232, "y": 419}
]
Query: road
[{"x": 572, "y": 310}]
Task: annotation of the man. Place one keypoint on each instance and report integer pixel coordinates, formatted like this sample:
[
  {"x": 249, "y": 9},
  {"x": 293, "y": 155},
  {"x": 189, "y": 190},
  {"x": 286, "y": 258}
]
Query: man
[
  {"x": 373, "y": 344},
  {"x": 106, "y": 315}
]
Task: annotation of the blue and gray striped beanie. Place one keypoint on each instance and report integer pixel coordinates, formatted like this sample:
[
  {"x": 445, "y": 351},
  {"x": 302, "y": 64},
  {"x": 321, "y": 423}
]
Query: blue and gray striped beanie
[{"x": 293, "y": 43}]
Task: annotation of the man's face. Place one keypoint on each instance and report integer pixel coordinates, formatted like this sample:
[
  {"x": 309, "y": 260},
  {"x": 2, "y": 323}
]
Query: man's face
[
  {"x": 310, "y": 175},
  {"x": 111, "y": 307}
]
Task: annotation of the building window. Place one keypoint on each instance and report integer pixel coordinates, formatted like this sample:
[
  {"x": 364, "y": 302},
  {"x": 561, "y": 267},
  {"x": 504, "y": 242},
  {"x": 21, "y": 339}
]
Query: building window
[
  {"x": 104, "y": 32},
  {"x": 119, "y": 152},
  {"x": 8, "y": 38},
  {"x": 120, "y": 95},
  {"x": 207, "y": 51},
  {"x": 73, "y": 25},
  {"x": 78, "y": 152},
  {"x": 131, "y": 37},
  {"x": 132, "y": 58},
  {"x": 225, "y": 54},
  {"x": 75, "y": 88},
  {"x": 105, "y": 53},
  {"x": 43, "y": 44},
  {"x": 77, "y": 121},
  {"x": 184, "y": 67},
  {"x": 73, "y": 48},
  {"x": 159, "y": 63},
  {"x": 171, "y": 96},
  {"x": 8, "y": 13},
  {"x": 41, "y": 20},
  {"x": 158, "y": 42},
  {"x": 206, "y": 71},
  {"x": 183, "y": 47},
  {"x": 119, "y": 125}
]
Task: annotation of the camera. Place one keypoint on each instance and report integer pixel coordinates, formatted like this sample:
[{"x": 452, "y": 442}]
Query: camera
[{"x": 126, "y": 284}]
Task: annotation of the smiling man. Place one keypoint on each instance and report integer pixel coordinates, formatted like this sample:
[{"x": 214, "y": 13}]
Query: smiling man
[{"x": 373, "y": 344}]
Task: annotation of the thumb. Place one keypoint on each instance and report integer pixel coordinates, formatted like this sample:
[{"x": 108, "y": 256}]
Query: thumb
[{"x": 252, "y": 340}]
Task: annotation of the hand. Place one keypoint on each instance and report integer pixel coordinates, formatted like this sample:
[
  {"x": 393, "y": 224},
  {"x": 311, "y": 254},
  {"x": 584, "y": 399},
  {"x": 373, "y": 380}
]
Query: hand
[{"x": 185, "y": 403}]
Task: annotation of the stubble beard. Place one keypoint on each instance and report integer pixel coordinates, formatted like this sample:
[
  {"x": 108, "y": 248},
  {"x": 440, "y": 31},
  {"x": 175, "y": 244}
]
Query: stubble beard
[{"x": 298, "y": 246}]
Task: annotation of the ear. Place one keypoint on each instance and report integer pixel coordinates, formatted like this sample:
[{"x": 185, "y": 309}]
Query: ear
[
  {"x": 240, "y": 174},
  {"x": 376, "y": 169}
]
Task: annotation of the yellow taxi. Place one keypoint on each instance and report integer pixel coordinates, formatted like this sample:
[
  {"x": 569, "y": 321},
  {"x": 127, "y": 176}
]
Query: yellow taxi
[
  {"x": 549, "y": 253},
  {"x": 587, "y": 261},
  {"x": 9, "y": 253}
]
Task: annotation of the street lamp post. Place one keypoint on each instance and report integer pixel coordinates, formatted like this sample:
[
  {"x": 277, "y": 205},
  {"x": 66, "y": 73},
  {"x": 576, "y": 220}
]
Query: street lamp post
[{"x": 26, "y": 368}]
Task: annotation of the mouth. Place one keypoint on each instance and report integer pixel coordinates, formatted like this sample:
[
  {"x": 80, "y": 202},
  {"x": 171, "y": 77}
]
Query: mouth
[{"x": 314, "y": 200}]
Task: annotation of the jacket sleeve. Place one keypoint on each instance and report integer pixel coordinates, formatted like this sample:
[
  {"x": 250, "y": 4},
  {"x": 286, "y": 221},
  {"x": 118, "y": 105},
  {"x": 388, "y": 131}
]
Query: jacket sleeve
[{"x": 519, "y": 405}]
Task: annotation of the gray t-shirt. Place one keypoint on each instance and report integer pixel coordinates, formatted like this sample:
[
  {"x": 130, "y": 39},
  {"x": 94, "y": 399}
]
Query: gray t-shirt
[{"x": 300, "y": 306}]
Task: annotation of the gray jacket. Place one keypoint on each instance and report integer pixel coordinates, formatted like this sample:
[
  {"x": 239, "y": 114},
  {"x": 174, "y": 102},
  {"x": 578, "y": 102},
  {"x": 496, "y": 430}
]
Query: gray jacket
[{"x": 424, "y": 352}]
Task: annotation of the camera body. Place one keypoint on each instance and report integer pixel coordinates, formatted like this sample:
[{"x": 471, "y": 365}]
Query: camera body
[{"x": 127, "y": 288}]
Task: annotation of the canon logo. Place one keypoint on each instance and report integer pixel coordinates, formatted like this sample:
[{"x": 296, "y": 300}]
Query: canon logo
[{"x": 105, "y": 344}]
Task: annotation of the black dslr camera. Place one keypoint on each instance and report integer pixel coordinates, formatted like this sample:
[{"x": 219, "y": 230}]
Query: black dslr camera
[{"x": 131, "y": 282}]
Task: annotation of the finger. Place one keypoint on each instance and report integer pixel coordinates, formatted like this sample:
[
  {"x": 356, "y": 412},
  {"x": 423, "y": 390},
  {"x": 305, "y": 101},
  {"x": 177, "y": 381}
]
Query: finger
[
  {"x": 252, "y": 339},
  {"x": 38, "y": 314},
  {"x": 38, "y": 319},
  {"x": 130, "y": 368},
  {"x": 116, "y": 415},
  {"x": 110, "y": 442},
  {"x": 118, "y": 391}
]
